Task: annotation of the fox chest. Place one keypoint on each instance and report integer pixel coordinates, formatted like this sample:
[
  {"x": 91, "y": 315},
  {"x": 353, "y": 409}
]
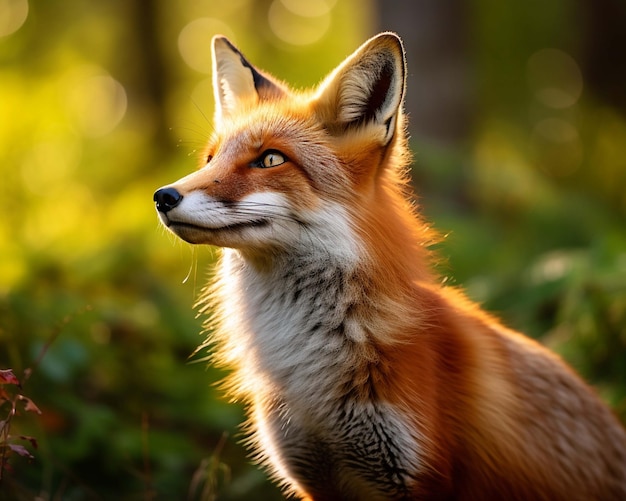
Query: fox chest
[
  {"x": 359, "y": 451},
  {"x": 315, "y": 416},
  {"x": 322, "y": 423}
]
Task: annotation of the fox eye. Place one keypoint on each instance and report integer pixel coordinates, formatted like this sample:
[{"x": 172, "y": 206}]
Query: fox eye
[
  {"x": 209, "y": 158},
  {"x": 271, "y": 158}
]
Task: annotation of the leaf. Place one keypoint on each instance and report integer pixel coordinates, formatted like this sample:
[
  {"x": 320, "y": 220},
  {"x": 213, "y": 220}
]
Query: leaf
[
  {"x": 32, "y": 440},
  {"x": 29, "y": 405},
  {"x": 21, "y": 450},
  {"x": 4, "y": 396},
  {"x": 7, "y": 377}
]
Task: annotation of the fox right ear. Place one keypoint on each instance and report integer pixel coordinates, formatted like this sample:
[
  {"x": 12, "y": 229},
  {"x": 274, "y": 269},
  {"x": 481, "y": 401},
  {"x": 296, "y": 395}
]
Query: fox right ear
[
  {"x": 368, "y": 87},
  {"x": 236, "y": 81}
]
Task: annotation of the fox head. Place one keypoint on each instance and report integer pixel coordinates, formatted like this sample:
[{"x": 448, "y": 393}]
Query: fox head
[{"x": 290, "y": 169}]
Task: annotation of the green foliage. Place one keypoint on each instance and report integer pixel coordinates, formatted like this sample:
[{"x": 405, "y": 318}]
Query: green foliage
[{"x": 103, "y": 102}]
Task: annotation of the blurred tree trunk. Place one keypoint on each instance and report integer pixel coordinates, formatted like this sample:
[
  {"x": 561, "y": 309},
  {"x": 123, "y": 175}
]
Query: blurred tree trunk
[
  {"x": 143, "y": 64},
  {"x": 604, "y": 51},
  {"x": 439, "y": 86}
]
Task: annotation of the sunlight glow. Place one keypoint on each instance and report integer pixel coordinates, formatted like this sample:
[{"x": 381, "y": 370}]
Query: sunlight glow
[
  {"x": 96, "y": 100},
  {"x": 295, "y": 28},
  {"x": 51, "y": 161},
  {"x": 56, "y": 218},
  {"x": 312, "y": 8},
  {"x": 13, "y": 14},
  {"x": 194, "y": 42}
]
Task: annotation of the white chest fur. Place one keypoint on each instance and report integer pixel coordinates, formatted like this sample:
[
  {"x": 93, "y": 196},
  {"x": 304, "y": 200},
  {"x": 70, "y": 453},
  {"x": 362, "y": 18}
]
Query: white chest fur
[
  {"x": 296, "y": 324},
  {"x": 305, "y": 354}
]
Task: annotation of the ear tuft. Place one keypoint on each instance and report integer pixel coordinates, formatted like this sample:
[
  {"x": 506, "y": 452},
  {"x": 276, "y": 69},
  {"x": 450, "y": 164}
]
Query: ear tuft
[
  {"x": 368, "y": 86},
  {"x": 235, "y": 80}
]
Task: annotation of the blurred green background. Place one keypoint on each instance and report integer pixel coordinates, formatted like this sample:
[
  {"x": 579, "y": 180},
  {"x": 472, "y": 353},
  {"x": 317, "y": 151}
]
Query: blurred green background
[{"x": 518, "y": 116}]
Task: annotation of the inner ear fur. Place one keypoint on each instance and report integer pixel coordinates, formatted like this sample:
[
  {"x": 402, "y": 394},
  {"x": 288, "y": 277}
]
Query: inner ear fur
[
  {"x": 236, "y": 80},
  {"x": 368, "y": 87}
]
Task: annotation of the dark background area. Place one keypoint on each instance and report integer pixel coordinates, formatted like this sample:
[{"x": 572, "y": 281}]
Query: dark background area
[{"x": 518, "y": 124}]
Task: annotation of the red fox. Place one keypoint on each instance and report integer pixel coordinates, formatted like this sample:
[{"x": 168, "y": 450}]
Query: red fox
[{"x": 364, "y": 377}]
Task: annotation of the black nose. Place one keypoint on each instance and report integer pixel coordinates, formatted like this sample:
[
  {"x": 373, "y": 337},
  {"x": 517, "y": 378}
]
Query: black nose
[{"x": 166, "y": 199}]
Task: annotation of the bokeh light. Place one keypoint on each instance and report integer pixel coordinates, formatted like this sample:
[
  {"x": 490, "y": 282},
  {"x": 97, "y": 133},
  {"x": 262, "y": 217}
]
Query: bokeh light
[
  {"x": 13, "y": 14},
  {"x": 555, "y": 78},
  {"x": 194, "y": 42},
  {"x": 96, "y": 101},
  {"x": 556, "y": 83},
  {"x": 312, "y": 8},
  {"x": 290, "y": 25}
]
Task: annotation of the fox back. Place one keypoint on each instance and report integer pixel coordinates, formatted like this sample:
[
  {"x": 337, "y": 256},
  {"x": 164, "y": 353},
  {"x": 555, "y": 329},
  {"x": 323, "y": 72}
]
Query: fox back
[{"x": 364, "y": 378}]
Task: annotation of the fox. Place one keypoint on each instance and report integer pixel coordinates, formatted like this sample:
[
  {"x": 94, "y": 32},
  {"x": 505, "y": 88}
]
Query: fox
[{"x": 365, "y": 376}]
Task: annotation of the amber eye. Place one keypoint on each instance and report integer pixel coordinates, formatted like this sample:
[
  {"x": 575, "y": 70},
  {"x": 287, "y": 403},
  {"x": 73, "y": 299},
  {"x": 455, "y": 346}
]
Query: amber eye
[{"x": 271, "y": 158}]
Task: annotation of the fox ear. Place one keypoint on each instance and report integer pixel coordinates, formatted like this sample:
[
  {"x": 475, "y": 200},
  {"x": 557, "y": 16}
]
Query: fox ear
[
  {"x": 368, "y": 87},
  {"x": 235, "y": 80}
]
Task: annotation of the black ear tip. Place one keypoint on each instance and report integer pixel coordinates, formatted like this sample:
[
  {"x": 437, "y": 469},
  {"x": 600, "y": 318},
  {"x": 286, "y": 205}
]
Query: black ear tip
[{"x": 222, "y": 42}]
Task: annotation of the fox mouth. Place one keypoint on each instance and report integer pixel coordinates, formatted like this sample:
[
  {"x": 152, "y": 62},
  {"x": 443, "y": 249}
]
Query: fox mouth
[{"x": 179, "y": 225}]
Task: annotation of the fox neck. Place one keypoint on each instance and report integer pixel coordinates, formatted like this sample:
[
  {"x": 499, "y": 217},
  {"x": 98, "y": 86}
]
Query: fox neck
[
  {"x": 301, "y": 319},
  {"x": 294, "y": 307}
]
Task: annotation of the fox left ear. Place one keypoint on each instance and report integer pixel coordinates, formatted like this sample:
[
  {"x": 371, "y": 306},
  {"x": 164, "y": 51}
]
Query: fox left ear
[
  {"x": 368, "y": 87},
  {"x": 236, "y": 81}
]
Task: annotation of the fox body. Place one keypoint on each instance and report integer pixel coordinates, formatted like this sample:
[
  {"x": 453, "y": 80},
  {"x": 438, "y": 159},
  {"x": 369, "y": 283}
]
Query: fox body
[{"x": 366, "y": 379}]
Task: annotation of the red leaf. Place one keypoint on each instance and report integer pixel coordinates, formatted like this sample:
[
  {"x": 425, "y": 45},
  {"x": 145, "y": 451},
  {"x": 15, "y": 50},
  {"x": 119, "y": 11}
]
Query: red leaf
[
  {"x": 3, "y": 395},
  {"x": 21, "y": 450},
  {"x": 29, "y": 405},
  {"x": 7, "y": 377}
]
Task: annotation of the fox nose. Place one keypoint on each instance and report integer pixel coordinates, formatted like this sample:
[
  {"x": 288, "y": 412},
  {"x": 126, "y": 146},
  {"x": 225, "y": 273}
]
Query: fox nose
[{"x": 166, "y": 199}]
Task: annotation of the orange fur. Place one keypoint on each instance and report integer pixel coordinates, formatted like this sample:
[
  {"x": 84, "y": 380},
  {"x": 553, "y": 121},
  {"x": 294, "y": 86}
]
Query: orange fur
[{"x": 364, "y": 377}]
